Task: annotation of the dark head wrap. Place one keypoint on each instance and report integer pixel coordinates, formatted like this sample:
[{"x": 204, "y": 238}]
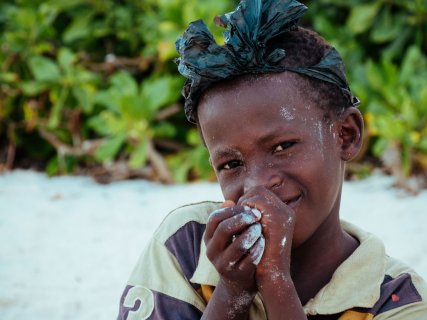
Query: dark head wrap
[{"x": 249, "y": 29}]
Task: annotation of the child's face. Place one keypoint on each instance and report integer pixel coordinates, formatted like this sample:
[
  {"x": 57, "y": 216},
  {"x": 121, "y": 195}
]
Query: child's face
[{"x": 265, "y": 132}]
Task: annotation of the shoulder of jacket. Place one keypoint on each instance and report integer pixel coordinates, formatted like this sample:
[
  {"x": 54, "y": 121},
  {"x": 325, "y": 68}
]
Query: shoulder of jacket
[{"x": 176, "y": 219}]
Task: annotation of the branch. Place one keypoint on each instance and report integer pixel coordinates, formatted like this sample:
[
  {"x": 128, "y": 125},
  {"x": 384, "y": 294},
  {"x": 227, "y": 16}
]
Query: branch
[
  {"x": 112, "y": 62},
  {"x": 159, "y": 164},
  {"x": 167, "y": 112},
  {"x": 119, "y": 170},
  {"x": 86, "y": 148}
]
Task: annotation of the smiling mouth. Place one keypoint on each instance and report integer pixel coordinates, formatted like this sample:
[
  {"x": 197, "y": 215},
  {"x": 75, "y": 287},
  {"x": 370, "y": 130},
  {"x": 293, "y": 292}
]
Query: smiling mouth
[{"x": 292, "y": 202}]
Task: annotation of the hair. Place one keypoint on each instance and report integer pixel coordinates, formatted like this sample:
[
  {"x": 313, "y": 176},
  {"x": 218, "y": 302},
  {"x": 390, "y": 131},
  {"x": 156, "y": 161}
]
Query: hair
[{"x": 305, "y": 48}]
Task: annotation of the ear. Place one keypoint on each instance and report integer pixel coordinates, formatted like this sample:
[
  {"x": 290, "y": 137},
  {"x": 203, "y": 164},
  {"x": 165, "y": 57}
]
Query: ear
[{"x": 350, "y": 133}]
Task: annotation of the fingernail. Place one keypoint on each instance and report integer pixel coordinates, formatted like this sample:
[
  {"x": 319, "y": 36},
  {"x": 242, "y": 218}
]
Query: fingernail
[
  {"x": 227, "y": 204},
  {"x": 259, "y": 251},
  {"x": 247, "y": 208},
  {"x": 256, "y": 213},
  {"x": 217, "y": 211}
]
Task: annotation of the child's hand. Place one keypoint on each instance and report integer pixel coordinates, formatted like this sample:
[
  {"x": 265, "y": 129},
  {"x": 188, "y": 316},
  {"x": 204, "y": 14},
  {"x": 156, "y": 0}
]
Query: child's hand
[
  {"x": 234, "y": 244},
  {"x": 277, "y": 221}
]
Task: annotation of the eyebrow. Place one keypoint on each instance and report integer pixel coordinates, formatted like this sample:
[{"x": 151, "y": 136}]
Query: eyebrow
[
  {"x": 228, "y": 152},
  {"x": 274, "y": 134},
  {"x": 225, "y": 153}
]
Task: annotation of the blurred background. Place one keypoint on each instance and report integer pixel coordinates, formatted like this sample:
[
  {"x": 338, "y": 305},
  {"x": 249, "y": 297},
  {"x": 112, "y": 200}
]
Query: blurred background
[{"x": 90, "y": 87}]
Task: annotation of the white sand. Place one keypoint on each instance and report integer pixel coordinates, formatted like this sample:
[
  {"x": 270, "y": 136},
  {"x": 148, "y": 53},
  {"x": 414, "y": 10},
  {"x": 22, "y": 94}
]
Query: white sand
[{"x": 68, "y": 245}]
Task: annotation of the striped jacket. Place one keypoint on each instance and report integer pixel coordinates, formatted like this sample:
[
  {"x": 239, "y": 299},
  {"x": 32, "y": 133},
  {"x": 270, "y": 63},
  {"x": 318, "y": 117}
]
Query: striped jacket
[{"x": 174, "y": 279}]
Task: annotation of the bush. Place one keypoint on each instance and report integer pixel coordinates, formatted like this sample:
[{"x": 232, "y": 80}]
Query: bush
[
  {"x": 91, "y": 85},
  {"x": 89, "y": 82},
  {"x": 384, "y": 44}
]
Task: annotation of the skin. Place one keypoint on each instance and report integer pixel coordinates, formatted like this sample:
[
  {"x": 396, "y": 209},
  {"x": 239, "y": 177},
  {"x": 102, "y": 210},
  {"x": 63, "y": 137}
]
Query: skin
[{"x": 273, "y": 149}]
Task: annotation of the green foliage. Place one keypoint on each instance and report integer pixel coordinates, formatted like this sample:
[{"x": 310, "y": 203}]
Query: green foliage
[
  {"x": 95, "y": 81},
  {"x": 384, "y": 44},
  {"x": 397, "y": 114},
  {"x": 192, "y": 162},
  {"x": 86, "y": 82}
]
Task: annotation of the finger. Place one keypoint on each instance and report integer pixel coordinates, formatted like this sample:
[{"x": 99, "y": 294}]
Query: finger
[
  {"x": 254, "y": 256},
  {"x": 226, "y": 229},
  {"x": 258, "y": 202},
  {"x": 257, "y": 251},
  {"x": 267, "y": 204},
  {"x": 278, "y": 221},
  {"x": 243, "y": 243},
  {"x": 255, "y": 192},
  {"x": 227, "y": 203},
  {"x": 219, "y": 215}
]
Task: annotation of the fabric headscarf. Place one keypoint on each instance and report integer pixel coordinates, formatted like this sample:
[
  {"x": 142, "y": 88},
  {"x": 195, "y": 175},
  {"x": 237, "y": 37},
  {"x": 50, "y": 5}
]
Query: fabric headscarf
[{"x": 245, "y": 51}]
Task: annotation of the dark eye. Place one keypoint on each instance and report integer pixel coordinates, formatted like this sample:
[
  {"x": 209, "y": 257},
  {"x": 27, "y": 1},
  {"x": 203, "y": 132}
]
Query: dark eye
[
  {"x": 284, "y": 146},
  {"x": 230, "y": 165}
]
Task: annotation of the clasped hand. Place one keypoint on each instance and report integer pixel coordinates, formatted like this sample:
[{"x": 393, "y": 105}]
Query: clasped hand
[{"x": 249, "y": 243}]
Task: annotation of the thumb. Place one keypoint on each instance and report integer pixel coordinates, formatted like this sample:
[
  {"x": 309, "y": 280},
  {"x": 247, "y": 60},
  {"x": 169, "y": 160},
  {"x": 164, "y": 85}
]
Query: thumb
[{"x": 227, "y": 204}]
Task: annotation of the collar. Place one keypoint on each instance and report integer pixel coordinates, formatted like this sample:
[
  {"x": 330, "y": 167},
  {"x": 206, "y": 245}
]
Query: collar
[{"x": 356, "y": 282}]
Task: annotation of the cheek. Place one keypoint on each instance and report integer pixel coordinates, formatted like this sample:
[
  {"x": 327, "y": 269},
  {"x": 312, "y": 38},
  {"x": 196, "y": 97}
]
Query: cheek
[
  {"x": 322, "y": 180},
  {"x": 230, "y": 189},
  {"x": 319, "y": 174},
  {"x": 320, "y": 138}
]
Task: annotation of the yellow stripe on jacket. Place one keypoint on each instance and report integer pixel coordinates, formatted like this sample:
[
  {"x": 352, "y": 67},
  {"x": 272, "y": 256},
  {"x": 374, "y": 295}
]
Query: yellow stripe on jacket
[{"x": 354, "y": 315}]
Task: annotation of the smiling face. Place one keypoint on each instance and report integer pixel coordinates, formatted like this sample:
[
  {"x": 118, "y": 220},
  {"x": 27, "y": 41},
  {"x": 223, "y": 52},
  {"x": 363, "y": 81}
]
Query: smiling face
[{"x": 264, "y": 131}]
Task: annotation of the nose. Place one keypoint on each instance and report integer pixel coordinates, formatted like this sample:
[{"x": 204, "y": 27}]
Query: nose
[{"x": 264, "y": 177}]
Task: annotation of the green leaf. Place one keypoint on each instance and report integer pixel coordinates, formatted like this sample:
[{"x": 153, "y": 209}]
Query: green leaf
[
  {"x": 374, "y": 75},
  {"x": 52, "y": 167},
  {"x": 410, "y": 64},
  {"x": 390, "y": 126},
  {"x": 193, "y": 137},
  {"x": 164, "y": 130},
  {"x": 379, "y": 146},
  {"x": 108, "y": 99},
  {"x": 422, "y": 145},
  {"x": 8, "y": 77},
  {"x": 405, "y": 154},
  {"x": 110, "y": 147},
  {"x": 84, "y": 94},
  {"x": 362, "y": 17},
  {"x": 131, "y": 107},
  {"x": 397, "y": 46},
  {"x": 98, "y": 124},
  {"x": 159, "y": 92},
  {"x": 79, "y": 28},
  {"x": 386, "y": 28},
  {"x": 66, "y": 58},
  {"x": 124, "y": 84},
  {"x": 139, "y": 155},
  {"x": 114, "y": 123},
  {"x": 58, "y": 100},
  {"x": 32, "y": 88},
  {"x": 409, "y": 113},
  {"x": 180, "y": 166},
  {"x": 44, "y": 69}
]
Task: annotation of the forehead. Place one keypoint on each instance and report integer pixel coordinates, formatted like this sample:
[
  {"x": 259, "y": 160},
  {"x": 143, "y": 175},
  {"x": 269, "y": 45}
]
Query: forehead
[
  {"x": 267, "y": 84},
  {"x": 282, "y": 95}
]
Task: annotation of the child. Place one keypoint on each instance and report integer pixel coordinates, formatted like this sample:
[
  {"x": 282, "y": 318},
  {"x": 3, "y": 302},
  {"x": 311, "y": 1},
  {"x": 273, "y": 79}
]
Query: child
[{"x": 274, "y": 110}]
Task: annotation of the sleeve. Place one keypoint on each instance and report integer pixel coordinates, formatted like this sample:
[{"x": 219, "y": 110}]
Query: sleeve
[
  {"x": 403, "y": 297},
  {"x": 159, "y": 290},
  {"x": 415, "y": 311}
]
